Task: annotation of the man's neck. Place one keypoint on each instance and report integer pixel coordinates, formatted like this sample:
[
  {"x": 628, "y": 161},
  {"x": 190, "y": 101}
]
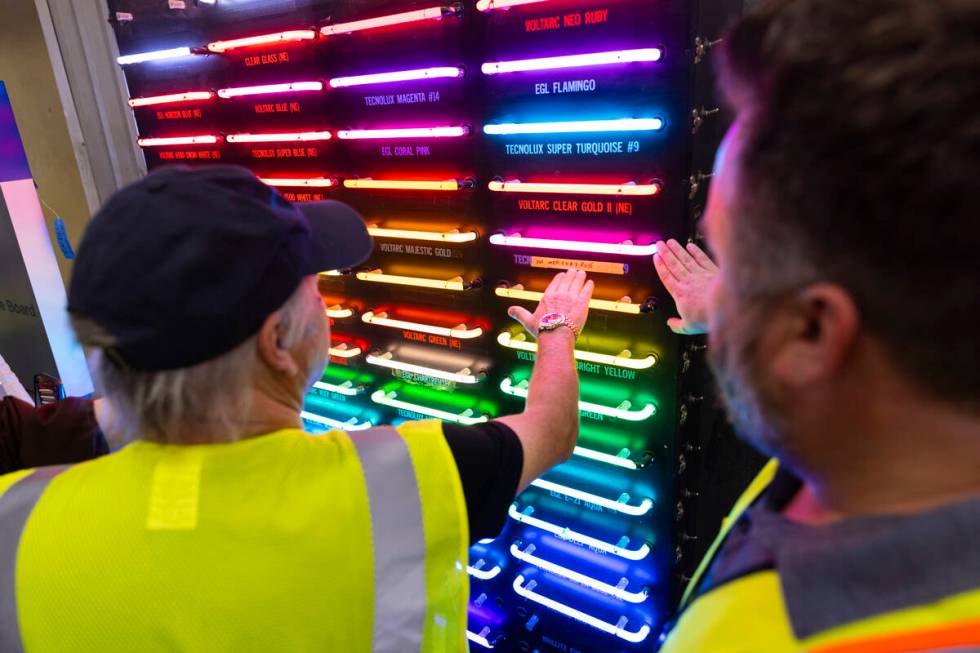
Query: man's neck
[{"x": 268, "y": 412}]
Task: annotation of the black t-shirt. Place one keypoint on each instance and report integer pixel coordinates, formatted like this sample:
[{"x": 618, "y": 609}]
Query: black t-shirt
[{"x": 489, "y": 458}]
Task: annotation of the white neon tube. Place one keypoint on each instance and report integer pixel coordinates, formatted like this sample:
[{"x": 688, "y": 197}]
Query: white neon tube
[
  {"x": 454, "y": 236},
  {"x": 265, "y": 89},
  {"x": 622, "y": 411},
  {"x": 631, "y": 189},
  {"x": 626, "y": 248},
  {"x": 405, "y": 132},
  {"x": 622, "y": 306},
  {"x": 350, "y": 425},
  {"x": 299, "y": 182},
  {"x": 382, "y": 319},
  {"x": 479, "y": 571},
  {"x": 172, "y": 98},
  {"x": 177, "y": 140},
  {"x": 346, "y": 388},
  {"x": 624, "y": 359},
  {"x": 279, "y": 137},
  {"x": 155, "y": 55},
  {"x": 263, "y": 39},
  {"x": 490, "y": 5},
  {"x": 598, "y": 456},
  {"x": 618, "y": 591},
  {"x": 573, "y": 536},
  {"x": 617, "y": 629},
  {"x": 343, "y": 351},
  {"x": 611, "y": 57},
  {"x": 575, "y": 126},
  {"x": 618, "y": 506},
  {"x": 480, "y": 638},
  {"x": 397, "y": 76},
  {"x": 378, "y": 276},
  {"x": 391, "y": 400},
  {"x": 432, "y": 13},
  {"x": 338, "y": 312},
  {"x": 386, "y": 360}
]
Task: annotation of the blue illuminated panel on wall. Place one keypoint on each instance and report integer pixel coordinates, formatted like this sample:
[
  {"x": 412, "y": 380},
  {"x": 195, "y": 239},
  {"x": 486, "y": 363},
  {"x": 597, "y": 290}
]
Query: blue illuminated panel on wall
[{"x": 488, "y": 147}]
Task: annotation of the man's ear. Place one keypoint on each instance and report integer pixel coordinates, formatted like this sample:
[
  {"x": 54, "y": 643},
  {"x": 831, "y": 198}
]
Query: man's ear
[
  {"x": 272, "y": 350},
  {"x": 812, "y": 335}
]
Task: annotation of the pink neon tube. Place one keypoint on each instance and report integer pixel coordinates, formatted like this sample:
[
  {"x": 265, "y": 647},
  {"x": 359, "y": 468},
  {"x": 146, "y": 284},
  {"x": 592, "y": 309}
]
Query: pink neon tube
[
  {"x": 432, "y": 13},
  {"x": 267, "y": 89},
  {"x": 408, "y": 132},
  {"x": 279, "y": 138}
]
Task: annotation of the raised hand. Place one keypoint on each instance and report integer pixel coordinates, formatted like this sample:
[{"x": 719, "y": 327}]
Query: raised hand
[
  {"x": 687, "y": 274},
  {"x": 568, "y": 293}
]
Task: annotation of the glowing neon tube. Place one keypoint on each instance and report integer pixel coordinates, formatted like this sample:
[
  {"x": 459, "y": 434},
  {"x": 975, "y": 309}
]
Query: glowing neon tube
[
  {"x": 350, "y": 425},
  {"x": 572, "y": 536},
  {"x": 338, "y": 312},
  {"x": 617, "y": 629},
  {"x": 454, "y": 236},
  {"x": 382, "y": 319},
  {"x": 279, "y": 138},
  {"x": 575, "y": 126},
  {"x": 406, "y": 184},
  {"x": 177, "y": 140},
  {"x": 480, "y": 638},
  {"x": 478, "y": 571},
  {"x": 617, "y": 506},
  {"x": 407, "y": 132},
  {"x": 331, "y": 273},
  {"x": 624, "y": 359},
  {"x": 378, "y": 276},
  {"x": 172, "y": 98},
  {"x": 299, "y": 182},
  {"x": 490, "y": 5},
  {"x": 397, "y": 76},
  {"x": 624, "y": 305},
  {"x": 268, "y": 89},
  {"x": 347, "y": 388},
  {"x": 291, "y": 36},
  {"x": 344, "y": 351},
  {"x": 391, "y": 400},
  {"x": 626, "y": 248},
  {"x": 619, "y": 591},
  {"x": 622, "y": 411},
  {"x": 432, "y": 13},
  {"x": 155, "y": 55},
  {"x": 628, "y": 189},
  {"x": 386, "y": 360},
  {"x": 611, "y": 57},
  {"x": 621, "y": 460}
]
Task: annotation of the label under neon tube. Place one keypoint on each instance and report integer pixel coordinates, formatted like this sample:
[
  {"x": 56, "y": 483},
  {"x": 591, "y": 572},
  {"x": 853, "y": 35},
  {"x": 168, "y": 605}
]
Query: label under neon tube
[
  {"x": 177, "y": 140},
  {"x": 622, "y": 249},
  {"x": 480, "y": 638},
  {"x": 407, "y": 132},
  {"x": 299, "y": 182},
  {"x": 622, "y": 411},
  {"x": 624, "y": 359},
  {"x": 263, "y": 39},
  {"x": 527, "y": 555},
  {"x": 382, "y": 319},
  {"x": 467, "y": 417},
  {"x": 432, "y": 13},
  {"x": 377, "y": 276},
  {"x": 414, "y": 74},
  {"x": 628, "y": 189},
  {"x": 405, "y": 184},
  {"x": 621, "y": 306},
  {"x": 279, "y": 137},
  {"x": 608, "y": 58},
  {"x": 616, "y": 629},
  {"x": 386, "y": 360},
  {"x": 173, "y": 98},
  {"x": 344, "y": 351},
  {"x": 454, "y": 236},
  {"x": 347, "y": 388},
  {"x": 595, "y": 499},
  {"x": 490, "y": 5},
  {"x": 565, "y": 533},
  {"x": 575, "y": 126},
  {"x": 155, "y": 55},
  {"x": 268, "y": 89},
  {"x": 350, "y": 425}
]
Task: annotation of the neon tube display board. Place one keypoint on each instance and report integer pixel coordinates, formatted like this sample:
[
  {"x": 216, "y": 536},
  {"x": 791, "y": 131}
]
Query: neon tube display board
[{"x": 488, "y": 147}]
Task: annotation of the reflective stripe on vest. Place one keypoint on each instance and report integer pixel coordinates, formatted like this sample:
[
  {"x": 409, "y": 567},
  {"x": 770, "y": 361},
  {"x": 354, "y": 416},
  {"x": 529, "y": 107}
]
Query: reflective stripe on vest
[
  {"x": 398, "y": 541},
  {"x": 16, "y": 505}
]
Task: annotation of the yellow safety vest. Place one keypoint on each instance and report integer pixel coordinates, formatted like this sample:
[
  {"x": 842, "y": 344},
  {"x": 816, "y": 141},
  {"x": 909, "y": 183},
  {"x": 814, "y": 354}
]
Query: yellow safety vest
[
  {"x": 748, "y": 615},
  {"x": 342, "y": 543}
]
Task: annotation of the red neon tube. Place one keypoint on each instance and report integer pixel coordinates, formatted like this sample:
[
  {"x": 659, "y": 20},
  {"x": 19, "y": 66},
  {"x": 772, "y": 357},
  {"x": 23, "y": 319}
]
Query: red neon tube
[
  {"x": 178, "y": 140},
  {"x": 267, "y": 89},
  {"x": 172, "y": 98},
  {"x": 291, "y": 36}
]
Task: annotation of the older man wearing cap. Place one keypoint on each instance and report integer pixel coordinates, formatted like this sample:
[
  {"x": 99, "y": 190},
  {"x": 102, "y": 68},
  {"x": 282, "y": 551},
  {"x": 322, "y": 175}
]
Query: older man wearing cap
[{"x": 224, "y": 527}]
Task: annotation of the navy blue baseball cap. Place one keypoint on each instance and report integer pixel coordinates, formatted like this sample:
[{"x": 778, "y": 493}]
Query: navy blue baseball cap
[{"x": 187, "y": 263}]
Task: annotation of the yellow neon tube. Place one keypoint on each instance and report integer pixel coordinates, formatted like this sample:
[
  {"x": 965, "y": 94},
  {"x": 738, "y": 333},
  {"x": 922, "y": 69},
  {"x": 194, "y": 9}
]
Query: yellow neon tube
[
  {"x": 624, "y": 359},
  {"x": 454, "y": 236},
  {"x": 344, "y": 351},
  {"x": 622, "y": 306},
  {"x": 378, "y": 276},
  {"x": 338, "y": 312}
]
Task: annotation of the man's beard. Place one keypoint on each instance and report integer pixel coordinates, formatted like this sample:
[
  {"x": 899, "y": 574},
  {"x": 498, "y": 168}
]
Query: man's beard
[{"x": 749, "y": 400}]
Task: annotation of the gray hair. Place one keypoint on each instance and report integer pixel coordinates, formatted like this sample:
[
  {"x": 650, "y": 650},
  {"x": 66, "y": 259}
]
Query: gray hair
[{"x": 214, "y": 396}]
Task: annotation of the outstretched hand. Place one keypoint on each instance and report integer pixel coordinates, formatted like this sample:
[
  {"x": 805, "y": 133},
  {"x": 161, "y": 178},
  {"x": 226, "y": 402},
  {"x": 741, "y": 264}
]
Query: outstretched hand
[
  {"x": 687, "y": 274},
  {"x": 568, "y": 293}
]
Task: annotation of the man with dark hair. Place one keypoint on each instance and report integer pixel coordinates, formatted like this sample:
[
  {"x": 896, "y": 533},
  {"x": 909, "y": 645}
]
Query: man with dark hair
[{"x": 843, "y": 321}]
